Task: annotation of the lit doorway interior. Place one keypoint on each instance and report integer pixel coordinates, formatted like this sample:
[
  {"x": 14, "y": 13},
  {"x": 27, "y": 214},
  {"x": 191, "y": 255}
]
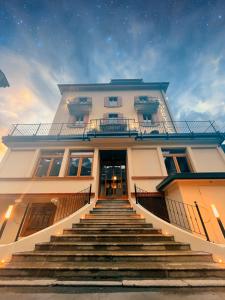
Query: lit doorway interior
[{"x": 113, "y": 177}]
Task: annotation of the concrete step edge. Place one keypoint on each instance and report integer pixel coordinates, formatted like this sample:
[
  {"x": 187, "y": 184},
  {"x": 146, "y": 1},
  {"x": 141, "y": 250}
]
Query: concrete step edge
[{"x": 201, "y": 283}]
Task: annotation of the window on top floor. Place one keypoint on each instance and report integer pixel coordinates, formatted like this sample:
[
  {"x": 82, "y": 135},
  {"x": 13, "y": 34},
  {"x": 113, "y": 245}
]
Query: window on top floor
[
  {"x": 143, "y": 99},
  {"x": 113, "y": 101},
  {"x": 49, "y": 163},
  {"x": 176, "y": 160},
  {"x": 83, "y": 100}
]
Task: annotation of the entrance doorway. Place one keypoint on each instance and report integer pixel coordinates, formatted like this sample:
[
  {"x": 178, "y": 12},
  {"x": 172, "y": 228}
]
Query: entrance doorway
[{"x": 113, "y": 174}]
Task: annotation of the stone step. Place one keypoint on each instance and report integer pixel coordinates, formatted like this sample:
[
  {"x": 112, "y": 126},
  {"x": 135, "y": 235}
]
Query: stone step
[
  {"x": 112, "y": 237},
  {"x": 112, "y": 221},
  {"x": 110, "y": 231},
  {"x": 117, "y": 207},
  {"x": 113, "y": 225},
  {"x": 114, "y": 211},
  {"x": 113, "y": 256},
  {"x": 113, "y": 246},
  {"x": 113, "y": 202},
  {"x": 112, "y": 216},
  {"x": 112, "y": 270}
]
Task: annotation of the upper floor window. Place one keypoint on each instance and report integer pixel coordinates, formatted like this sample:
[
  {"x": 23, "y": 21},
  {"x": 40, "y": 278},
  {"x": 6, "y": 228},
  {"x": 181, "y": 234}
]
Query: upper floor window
[
  {"x": 143, "y": 99},
  {"x": 80, "y": 119},
  {"x": 113, "y": 116},
  {"x": 80, "y": 163},
  {"x": 83, "y": 100},
  {"x": 113, "y": 101},
  {"x": 176, "y": 161},
  {"x": 147, "y": 117},
  {"x": 49, "y": 163}
]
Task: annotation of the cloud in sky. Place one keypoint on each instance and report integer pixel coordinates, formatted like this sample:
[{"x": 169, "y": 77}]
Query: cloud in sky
[{"x": 43, "y": 43}]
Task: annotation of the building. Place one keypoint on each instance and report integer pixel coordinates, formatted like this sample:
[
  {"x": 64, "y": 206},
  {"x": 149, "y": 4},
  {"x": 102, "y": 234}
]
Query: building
[
  {"x": 114, "y": 140},
  {"x": 3, "y": 80}
]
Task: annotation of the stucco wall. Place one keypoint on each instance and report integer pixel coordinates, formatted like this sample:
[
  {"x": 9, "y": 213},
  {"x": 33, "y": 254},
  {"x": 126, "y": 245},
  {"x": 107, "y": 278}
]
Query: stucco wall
[
  {"x": 98, "y": 108},
  {"x": 146, "y": 162},
  {"x": 205, "y": 193},
  {"x": 17, "y": 164},
  {"x": 208, "y": 160}
]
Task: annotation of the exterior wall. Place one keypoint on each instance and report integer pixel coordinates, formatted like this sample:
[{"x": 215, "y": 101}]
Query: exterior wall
[
  {"x": 208, "y": 159},
  {"x": 205, "y": 193},
  {"x": 98, "y": 108},
  {"x": 146, "y": 162},
  {"x": 17, "y": 164}
]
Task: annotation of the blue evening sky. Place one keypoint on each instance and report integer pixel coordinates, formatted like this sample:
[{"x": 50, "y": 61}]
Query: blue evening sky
[{"x": 43, "y": 43}]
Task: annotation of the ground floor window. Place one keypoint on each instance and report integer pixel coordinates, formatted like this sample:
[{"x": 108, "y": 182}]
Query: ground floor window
[
  {"x": 49, "y": 163},
  {"x": 176, "y": 160},
  {"x": 80, "y": 163}
]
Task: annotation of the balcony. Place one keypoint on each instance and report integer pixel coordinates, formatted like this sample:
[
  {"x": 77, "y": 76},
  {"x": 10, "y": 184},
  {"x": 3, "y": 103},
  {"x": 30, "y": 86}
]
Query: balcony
[
  {"x": 146, "y": 104},
  {"x": 114, "y": 128},
  {"x": 79, "y": 105}
]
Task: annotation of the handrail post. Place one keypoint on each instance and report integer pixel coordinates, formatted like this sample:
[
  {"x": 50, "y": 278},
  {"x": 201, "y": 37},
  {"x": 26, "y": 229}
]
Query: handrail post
[
  {"x": 39, "y": 125},
  {"x": 15, "y": 127},
  {"x": 202, "y": 222},
  {"x": 135, "y": 192},
  {"x": 60, "y": 130},
  {"x": 188, "y": 127},
  {"x": 89, "y": 195}
]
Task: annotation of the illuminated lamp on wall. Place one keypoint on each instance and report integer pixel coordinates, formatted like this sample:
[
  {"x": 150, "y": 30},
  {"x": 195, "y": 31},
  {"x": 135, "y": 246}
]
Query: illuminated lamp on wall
[
  {"x": 217, "y": 215},
  {"x": 7, "y": 216}
]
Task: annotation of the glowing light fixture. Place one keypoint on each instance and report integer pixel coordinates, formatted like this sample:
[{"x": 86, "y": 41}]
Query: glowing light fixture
[
  {"x": 215, "y": 211},
  {"x": 217, "y": 215},
  {"x": 8, "y": 212}
]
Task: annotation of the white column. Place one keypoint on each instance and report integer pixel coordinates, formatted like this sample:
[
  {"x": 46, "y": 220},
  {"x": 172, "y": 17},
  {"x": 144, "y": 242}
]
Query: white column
[
  {"x": 161, "y": 161},
  {"x": 33, "y": 164},
  {"x": 129, "y": 172},
  {"x": 221, "y": 153},
  {"x": 95, "y": 172},
  {"x": 7, "y": 153},
  {"x": 191, "y": 158},
  {"x": 65, "y": 161}
]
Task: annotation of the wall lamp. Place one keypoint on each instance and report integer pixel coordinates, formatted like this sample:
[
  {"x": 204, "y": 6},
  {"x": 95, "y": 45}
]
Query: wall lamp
[
  {"x": 217, "y": 215},
  {"x": 7, "y": 216}
]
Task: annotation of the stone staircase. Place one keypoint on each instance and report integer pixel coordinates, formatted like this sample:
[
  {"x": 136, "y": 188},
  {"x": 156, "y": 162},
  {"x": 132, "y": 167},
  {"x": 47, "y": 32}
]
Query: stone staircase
[{"x": 112, "y": 242}]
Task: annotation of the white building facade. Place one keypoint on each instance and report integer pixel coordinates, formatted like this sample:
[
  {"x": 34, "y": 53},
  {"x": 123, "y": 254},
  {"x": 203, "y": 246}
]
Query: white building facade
[{"x": 108, "y": 140}]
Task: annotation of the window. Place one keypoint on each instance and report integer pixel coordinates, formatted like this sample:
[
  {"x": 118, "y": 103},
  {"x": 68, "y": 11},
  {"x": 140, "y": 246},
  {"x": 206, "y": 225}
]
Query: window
[
  {"x": 80, "y": 119},
  {"x": 80, "y": 163},
  {"x": 113, "y": 101},
  {"x": 49, "y": 163},
  {"x": 176, "y": 161},
  {"x": 83, "y": 100},
  {"x": 143, "y": 99},
  {"x": 112, "y": 116},
  {"x": 147, "y": 117}
]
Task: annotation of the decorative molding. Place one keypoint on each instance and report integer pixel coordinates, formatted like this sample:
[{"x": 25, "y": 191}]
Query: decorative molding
[
  {"x": 147, "y": 177},
  {"x": 52, "y": 178}
]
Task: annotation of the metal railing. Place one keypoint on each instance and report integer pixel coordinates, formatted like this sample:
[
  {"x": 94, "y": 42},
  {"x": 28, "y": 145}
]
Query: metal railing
[
  {"x": 65, "y": 206},
  {"x": 113, "y": 125},
  {"x": 184, "y": 215},
  {"x": 69, "y": 204}
]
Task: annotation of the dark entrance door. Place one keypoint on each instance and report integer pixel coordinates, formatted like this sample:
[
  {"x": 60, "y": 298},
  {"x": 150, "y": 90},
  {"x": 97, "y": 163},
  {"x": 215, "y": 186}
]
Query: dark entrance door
[
  {"x": 113, "y": 178},
  {"x": 39, "y": 216}
]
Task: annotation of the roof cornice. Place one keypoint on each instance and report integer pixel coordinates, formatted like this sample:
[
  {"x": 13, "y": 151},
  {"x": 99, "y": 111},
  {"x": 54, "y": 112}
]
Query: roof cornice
[{"x": 113, "y": 86}]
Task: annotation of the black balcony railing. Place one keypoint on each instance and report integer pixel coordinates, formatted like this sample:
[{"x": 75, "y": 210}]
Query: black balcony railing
[{"x": 114, "y": 127}]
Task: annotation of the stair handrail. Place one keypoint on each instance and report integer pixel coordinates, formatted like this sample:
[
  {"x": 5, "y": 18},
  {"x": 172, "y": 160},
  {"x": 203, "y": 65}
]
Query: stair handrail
[
  {"x": 77, "y": 201},
  {"x": 180, "y": 214}
]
